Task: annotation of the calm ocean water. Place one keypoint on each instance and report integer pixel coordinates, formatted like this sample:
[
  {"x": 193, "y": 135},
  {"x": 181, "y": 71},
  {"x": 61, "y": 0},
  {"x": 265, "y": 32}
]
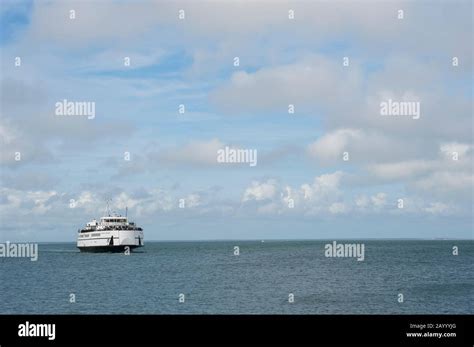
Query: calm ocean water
[{"x": 259, "y": 280}]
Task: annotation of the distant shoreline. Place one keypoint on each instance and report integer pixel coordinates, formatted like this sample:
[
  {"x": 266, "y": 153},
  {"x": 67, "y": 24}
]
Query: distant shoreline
[{"x": 260, "y": 240}]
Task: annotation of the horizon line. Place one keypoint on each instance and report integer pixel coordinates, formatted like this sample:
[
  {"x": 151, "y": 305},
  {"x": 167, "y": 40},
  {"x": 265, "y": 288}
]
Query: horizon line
[{"x": 272, "y": 240}]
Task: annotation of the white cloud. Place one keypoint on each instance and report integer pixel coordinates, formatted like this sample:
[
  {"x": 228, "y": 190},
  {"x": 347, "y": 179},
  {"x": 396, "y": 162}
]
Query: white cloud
[
  {"x": 260, "y": 191},
  {"x": 331, "y": 146},
  {"x": 402, "y": 170},
  {"x": 379, "y": 200},
  {"x": 123, "y": 200},
  {"x": 315, "y": 80},
  {"x": 460, "y": 149},
  {"x": 348, "y": 101},
  {"x": 362, "y": 202},
  {"x": 193, "y": 200},
  {"x": 208, "y": 18},
  {"x": 437, "y": 208},
  {"x": 37, "y": 202},
  {"x": 324, "y": 197},
  {"x": 447, "y": 184},
  {"x": 86, "y": 198},
  {"x": 7, "y": 134},
  {"x": 319, "y": 197},
  {"x": 337, "y": 208},
  {"x": 325, "y": 186},
  {"x": 94, "y": 21}
]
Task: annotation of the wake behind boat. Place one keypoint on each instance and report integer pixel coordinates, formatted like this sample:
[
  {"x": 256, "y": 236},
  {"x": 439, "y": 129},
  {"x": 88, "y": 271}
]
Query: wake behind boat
[{"x": 112, "y": 233}]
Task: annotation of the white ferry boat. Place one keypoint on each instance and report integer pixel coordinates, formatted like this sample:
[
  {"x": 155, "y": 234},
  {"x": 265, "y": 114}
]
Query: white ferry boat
[{"x": 112, "y": 233}]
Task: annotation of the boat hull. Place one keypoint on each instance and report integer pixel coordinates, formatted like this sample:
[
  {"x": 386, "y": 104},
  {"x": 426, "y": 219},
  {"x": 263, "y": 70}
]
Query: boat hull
[
  {"x": 110, "y": 240},
  {"x": 106, "y": 249}
]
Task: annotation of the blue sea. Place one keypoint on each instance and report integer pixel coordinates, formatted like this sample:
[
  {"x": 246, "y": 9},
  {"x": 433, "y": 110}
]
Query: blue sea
[{"x": 257, "y": 281}]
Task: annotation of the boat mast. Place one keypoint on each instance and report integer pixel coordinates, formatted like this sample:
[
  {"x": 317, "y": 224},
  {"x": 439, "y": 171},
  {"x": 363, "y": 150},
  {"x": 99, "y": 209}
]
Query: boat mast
[{"x": 107, "y": 210}]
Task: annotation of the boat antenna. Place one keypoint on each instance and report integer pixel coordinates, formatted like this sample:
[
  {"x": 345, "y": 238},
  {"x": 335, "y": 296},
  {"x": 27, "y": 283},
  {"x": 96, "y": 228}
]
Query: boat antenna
[
  {"x": 126, "y": 211},
  {"x": 107, "y": 210}
]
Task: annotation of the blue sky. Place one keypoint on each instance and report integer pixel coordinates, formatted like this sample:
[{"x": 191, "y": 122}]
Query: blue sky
[{"x": 282, "y": 61}]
